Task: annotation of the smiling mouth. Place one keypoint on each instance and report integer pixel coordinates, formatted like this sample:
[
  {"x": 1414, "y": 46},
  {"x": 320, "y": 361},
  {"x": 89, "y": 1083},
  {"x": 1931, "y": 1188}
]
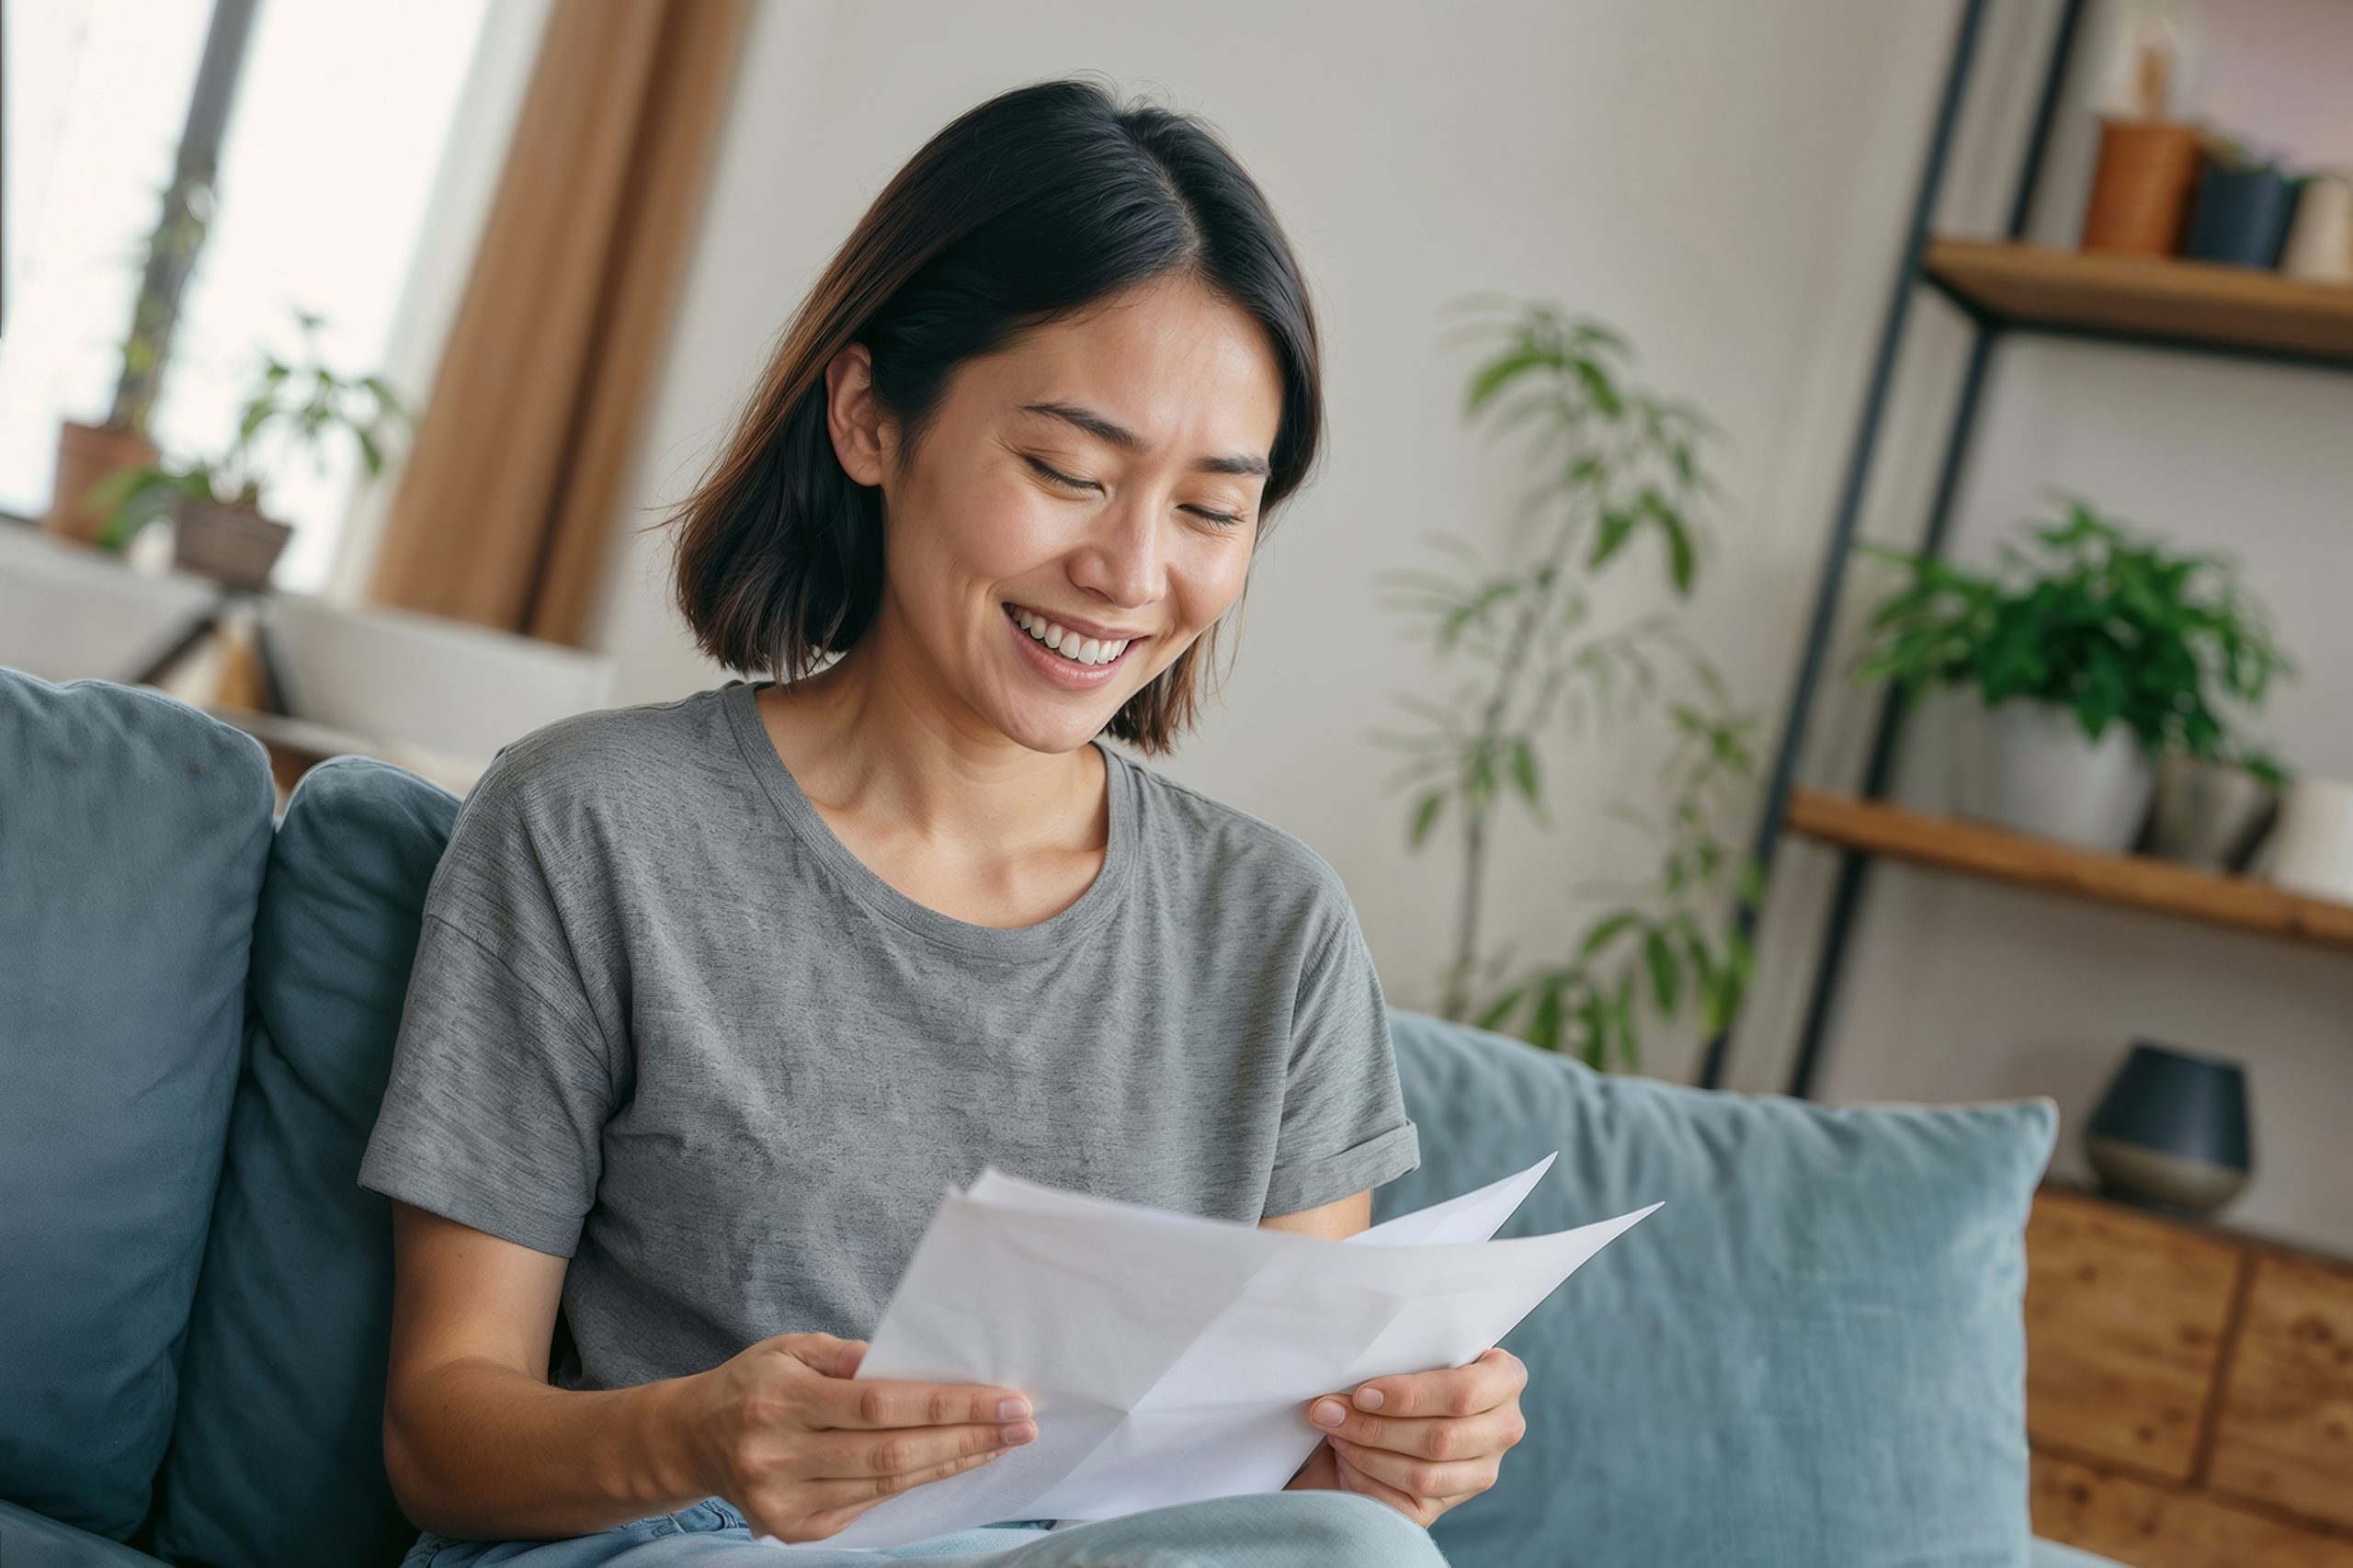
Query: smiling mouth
[{"x": 1080, "y": 651}]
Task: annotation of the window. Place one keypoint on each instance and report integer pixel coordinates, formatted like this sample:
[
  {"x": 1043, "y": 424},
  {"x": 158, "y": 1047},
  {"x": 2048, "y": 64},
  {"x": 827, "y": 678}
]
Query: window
[{"x": 326, "y": 174}]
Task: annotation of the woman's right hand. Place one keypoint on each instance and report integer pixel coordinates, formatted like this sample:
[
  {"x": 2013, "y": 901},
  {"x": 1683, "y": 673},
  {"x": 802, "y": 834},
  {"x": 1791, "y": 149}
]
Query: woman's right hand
[{"x": 785, "y": 1432}]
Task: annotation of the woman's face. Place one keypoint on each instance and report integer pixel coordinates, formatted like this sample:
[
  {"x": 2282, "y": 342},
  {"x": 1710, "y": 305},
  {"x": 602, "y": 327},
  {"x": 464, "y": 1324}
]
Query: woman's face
[{"x": 1094, "y": 487}]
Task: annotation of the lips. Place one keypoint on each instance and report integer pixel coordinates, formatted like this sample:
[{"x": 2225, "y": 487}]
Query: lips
[{"x": 1057, "y": 670}]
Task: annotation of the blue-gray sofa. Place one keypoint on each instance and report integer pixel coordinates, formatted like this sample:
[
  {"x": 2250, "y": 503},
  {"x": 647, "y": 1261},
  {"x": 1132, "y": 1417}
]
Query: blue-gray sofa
[{"x": 1812, "y": 1356}]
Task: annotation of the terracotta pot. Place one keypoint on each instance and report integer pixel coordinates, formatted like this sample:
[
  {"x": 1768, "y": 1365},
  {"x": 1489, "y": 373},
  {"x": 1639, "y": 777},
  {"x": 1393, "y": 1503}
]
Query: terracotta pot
[
  {"x": 2140, "y": 187},
  {"x": 234, "y": 545},
  {"x": 86, "y": 456}
]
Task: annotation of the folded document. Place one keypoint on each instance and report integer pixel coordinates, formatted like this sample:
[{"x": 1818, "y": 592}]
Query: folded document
[{"x": 1170, "y": 1357}]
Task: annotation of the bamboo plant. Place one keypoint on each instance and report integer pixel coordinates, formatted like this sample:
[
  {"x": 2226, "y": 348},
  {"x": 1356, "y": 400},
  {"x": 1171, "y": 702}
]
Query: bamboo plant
[{"x": 1617, "y": 465}]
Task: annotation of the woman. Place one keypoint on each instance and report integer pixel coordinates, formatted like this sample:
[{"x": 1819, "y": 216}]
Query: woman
[{"x": 714, "y": 997}]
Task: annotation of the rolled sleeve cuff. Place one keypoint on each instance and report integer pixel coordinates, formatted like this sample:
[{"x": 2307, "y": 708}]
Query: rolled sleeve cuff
[
  {"x": 455, "y": 1196},
  {"x": 1310, "y": 1184}
]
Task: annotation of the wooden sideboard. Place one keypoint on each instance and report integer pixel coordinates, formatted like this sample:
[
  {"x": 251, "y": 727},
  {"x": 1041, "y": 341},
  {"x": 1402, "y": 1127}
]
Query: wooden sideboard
[{"x": 2189, "y": 1392}]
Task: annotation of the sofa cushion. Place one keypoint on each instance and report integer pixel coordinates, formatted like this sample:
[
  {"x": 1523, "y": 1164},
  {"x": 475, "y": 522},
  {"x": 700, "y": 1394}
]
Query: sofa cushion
[
  {"x": 279, "y": 1444},
  {"x": 34, "y": 1541},
  {"x": 133, "y": 831},
  {"x": 1815, "y": 1353}
]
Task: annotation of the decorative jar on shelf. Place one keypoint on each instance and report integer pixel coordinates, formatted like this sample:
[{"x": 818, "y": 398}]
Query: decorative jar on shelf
[
  {"x": 2311, "y": 850},
  {"x": 2243, "y": 212},
  {"x": 2141, "y": 186},
  {"x": 2171, "y": 1131}
]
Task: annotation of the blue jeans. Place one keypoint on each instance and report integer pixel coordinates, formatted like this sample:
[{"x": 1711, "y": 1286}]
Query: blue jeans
[{"x": 1272, "y": 1529}]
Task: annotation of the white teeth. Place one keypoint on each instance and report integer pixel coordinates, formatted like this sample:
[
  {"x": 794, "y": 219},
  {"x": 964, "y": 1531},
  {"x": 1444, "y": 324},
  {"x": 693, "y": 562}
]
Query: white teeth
[{"x": 1071, "y": 645}]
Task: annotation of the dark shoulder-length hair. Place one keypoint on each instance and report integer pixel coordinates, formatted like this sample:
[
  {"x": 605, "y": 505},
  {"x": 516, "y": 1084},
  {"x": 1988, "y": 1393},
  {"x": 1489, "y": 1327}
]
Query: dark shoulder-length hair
[{"x": 1025, "y": 211}]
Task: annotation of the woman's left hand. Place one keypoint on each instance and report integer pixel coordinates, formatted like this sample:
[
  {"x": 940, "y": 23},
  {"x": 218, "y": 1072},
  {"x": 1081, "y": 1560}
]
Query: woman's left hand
[{"x": 1421, "y": 1442}]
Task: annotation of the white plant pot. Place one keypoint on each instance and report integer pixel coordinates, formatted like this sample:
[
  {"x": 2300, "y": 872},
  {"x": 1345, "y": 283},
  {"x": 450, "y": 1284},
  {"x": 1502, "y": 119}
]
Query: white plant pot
[{"x": 2029, "y": 767}]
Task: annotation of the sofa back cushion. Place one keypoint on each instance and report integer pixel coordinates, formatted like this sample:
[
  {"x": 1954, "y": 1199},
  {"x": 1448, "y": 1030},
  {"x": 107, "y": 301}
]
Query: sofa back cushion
[
  {"x": 133, "y": 831},
  {"x": 1815, "y": 1353},
  {"x": 278, "y": 1446}
]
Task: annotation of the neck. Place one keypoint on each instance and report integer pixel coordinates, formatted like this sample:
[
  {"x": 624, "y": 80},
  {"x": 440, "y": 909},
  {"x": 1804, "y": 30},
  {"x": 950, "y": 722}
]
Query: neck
[{"x": 883, "y": 739}]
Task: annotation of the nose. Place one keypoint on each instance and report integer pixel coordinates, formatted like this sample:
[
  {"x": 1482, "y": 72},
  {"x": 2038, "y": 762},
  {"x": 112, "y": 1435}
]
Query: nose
[{"x": 1123, "y": 559}]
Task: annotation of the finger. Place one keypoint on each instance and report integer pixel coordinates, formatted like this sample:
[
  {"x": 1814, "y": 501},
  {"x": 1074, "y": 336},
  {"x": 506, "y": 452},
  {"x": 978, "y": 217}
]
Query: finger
[
  {"x": 1354, "y": 1479},
  {"x": 874, "y": 1404},
  {"x": 893, "y": 1451},
  {"x": 830, "y": 1505},
  {"x": 1486, "y": 1382},
  {"x": 1435, "y": 1480},
  {"x": 1429, "y": 1437},
  {"x": 825, "y": 1354}
]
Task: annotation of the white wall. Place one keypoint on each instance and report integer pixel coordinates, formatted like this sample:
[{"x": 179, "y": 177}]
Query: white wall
[{"x": 1728, "y": 183}]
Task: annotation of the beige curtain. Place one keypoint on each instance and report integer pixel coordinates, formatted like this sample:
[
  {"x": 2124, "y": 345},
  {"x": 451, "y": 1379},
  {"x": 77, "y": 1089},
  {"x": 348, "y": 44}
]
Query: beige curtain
[{"x": 506, "y": 504}]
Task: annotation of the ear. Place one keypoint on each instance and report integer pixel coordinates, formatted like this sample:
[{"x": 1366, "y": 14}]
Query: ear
[{"x": 854, "y": 420}]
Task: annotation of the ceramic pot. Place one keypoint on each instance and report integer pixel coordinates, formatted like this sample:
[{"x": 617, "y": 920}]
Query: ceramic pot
[
  {"x": 234, "y": 545},
  {"x": 2171, "y": 1131},
  {"x": 87, "y": 455},
  {"x": 2141, "y": 186},
  {"x": 2311, "y": 849},
  {"x": 2029, "y": 767},
  {"x": 2242, "y": 216},
  {"x": 2320, "y": 245},
  {"x": 2206, "y": 813}
]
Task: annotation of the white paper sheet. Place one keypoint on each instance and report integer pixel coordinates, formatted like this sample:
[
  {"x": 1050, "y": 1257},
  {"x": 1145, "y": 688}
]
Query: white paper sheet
[{"x": 1170, "y": 1357}]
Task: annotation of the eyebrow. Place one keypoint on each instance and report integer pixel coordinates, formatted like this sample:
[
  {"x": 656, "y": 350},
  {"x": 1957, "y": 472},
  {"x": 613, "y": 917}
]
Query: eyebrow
[{"x": 1127, "y": 441}]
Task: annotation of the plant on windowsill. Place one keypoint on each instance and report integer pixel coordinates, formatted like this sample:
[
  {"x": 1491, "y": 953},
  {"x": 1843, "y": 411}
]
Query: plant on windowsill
[
  {"x": 1616, "y": 463},
  {"x": 219, "y": 528},
  {"x": 2088, "y": 667},
  {"x": 90, "y": 456}
]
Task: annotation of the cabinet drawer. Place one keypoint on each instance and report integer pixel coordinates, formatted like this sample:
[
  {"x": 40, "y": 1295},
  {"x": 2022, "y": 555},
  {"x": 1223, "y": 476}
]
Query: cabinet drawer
[
  {"x": 2140, "y": 1523},
  {"x": 2285, "y": 1436},
  {"x": 2124, "y": 1319}
]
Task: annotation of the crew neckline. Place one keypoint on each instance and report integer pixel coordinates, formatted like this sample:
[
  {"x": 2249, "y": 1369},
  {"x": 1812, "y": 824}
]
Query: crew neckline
[{"x": 1086, "y": 914}]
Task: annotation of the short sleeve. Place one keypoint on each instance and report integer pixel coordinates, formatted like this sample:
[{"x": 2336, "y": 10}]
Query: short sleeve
[
  {"x": 1344, "y": 1123},
  {"x": 501, "y": 1079}
]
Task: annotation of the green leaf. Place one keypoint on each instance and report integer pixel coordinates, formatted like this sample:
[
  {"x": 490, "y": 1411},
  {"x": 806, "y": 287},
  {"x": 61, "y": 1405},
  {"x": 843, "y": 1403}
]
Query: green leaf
[
  {"x": 1617, "y": 528},
  {"x": 1426, "y": 816},
  {"x": 1499, "y": 373},
  {"x": 1523, "y": 768},
  {"x": 1599, "y": 936},
  {"x": 1598, "y": 387},
  {"x": 1544, "y": 1026},
  {"x": 1667, "y": 975}
]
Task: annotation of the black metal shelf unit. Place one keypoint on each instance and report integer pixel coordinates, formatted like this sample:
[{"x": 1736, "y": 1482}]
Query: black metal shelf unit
[{"x": 1987, "y": 329}]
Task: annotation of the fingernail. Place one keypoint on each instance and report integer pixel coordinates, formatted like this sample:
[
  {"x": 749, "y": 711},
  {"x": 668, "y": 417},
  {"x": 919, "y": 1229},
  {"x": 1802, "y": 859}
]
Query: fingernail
[
  {"x": 1327, "y": 1412},
  {"x": 1018, "y": 1432},
  {"x": 1012, "y": 1409},
  {"x": 1369, "y": 1399}
]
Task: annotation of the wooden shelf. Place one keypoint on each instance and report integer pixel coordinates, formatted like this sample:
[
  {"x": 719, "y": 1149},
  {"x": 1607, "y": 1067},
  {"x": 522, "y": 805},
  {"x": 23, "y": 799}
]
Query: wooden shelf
[
  {"x": 2190, "y": 303},
  {"x": 2132, "y": 882}
]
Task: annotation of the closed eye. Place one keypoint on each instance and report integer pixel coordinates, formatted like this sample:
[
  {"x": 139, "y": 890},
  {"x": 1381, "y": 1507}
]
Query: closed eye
[{"x": 1224, "y": 519}]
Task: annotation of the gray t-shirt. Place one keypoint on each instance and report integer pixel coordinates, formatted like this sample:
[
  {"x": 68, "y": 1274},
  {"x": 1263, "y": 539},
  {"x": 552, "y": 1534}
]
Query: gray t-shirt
[{"x": 664, "y": 1023}]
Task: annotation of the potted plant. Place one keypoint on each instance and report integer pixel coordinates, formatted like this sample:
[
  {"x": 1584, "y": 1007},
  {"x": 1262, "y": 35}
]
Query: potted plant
[
  {"x": 2086, "y": 667},
  {"x": 88, "y": 456},
  {"x": 219, "y": 528},
  {"x": 1619, "y": 472}
]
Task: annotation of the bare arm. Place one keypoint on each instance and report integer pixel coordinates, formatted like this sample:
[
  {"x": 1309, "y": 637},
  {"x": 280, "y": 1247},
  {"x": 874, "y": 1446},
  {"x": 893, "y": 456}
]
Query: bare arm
[
  {"x": 479, "y": 1446},
  {"x": 1338, "y": 1222}
]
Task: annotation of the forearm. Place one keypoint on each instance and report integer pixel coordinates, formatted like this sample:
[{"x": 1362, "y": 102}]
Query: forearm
[{"x": 480, "y": 1451}]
